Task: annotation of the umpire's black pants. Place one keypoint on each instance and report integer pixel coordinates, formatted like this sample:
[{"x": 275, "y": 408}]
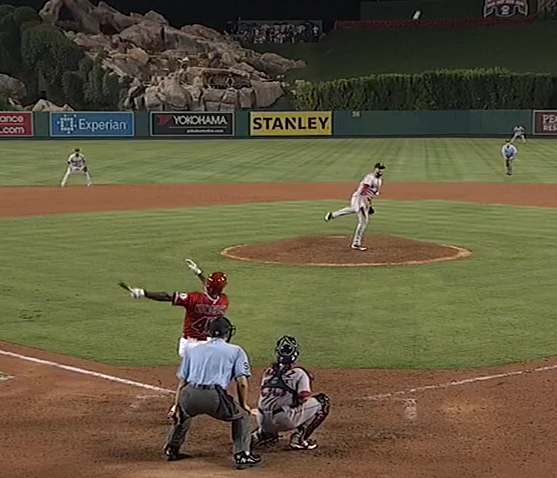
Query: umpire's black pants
[{"x": 214, "y": 401}]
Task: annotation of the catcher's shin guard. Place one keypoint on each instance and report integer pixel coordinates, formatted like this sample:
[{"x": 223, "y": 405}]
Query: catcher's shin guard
[{"x": 307, "y": 430}]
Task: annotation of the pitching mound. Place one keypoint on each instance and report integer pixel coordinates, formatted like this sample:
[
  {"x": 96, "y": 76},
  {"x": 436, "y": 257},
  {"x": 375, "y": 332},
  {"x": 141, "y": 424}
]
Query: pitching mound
[{"x": 326, "y": 250}]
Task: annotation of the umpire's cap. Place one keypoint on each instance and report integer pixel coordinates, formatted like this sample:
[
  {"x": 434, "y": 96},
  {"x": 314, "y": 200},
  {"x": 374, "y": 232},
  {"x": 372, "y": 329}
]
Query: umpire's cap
[{"x": 221, "y": 328}]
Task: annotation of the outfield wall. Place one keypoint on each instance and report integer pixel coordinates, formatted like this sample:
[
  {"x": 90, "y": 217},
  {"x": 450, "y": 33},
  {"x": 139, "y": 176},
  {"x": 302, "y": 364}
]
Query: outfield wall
[{"x": 246, "y": 124}]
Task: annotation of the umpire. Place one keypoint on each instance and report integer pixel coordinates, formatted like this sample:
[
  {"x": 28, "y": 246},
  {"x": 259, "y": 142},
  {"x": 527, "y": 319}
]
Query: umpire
[{"x": 205, "y": 373}]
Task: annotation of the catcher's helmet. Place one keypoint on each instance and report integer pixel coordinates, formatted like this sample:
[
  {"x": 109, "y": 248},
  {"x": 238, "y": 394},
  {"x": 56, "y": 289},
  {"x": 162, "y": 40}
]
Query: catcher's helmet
[
  {"x": 221, "y": 328},
  {"x": 287, "y": 349},
  {"x": 216, "y": 282}
]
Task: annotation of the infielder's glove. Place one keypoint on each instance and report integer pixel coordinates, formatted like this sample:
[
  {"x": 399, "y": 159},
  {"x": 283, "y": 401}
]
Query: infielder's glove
[{"x": 371, "y": 210}]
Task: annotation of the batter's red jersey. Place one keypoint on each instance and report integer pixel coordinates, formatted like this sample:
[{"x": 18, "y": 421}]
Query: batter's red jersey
[{"x": 200, "y": 309}]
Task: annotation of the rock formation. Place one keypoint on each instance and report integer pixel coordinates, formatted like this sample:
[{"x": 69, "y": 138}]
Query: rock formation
[{"x": 192, "y": 68}]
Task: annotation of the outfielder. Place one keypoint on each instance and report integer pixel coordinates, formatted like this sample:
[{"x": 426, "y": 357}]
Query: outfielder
[
  {"x": 286, "y": 402},
  {"x": 201, "y": 307},
  {"x": 361, "y": 204},
  {"x": 77, "y": 164},
  {"x": 509, "y": 152},
  {"x": 518, "y": 132}
]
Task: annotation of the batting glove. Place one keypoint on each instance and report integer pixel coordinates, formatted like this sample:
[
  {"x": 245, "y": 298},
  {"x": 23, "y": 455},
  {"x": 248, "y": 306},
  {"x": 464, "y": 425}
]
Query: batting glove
[
  {"x": 194, "y": 267},
  {"x": 137, "y": 293}
]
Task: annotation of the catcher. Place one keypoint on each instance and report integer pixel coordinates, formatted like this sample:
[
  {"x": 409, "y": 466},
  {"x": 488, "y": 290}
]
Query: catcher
[{"x": 286, "y": 402}]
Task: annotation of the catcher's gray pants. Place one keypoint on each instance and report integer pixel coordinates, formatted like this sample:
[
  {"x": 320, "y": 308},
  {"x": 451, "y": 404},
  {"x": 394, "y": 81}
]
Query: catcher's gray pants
[
  {"x": 305, "y": 417},
  {"x": 214, "y": 401}
]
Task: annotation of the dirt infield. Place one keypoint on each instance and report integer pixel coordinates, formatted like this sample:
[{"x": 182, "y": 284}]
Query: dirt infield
[
  {"x": 64, "y": 423},
  {"x": 330, "y": 250},
  {"x": 19, "y": 201}
]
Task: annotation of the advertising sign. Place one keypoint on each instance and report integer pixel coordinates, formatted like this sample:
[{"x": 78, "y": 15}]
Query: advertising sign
[
  {"x": 15, "y": 124},
  {"x": 291, "y": 123},
  {"x": 545, "y": 122},
  {"x": 505, "y": 8},
  {"x": 70, "y": 124},
  {"x": 190, "y": 123}
]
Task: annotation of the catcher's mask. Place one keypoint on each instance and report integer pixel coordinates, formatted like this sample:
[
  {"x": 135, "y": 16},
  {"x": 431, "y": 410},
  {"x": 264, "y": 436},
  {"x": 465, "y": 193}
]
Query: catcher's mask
[
  {"x": 216, "y": 282},
  {"x": 287, "y": 349},
  {"x": 221, "y": 328}
]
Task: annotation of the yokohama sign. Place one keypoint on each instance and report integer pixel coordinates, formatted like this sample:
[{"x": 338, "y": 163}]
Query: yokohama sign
[
  {"x": 188, "y": 123},
  {"x": 16, "y": 124}
]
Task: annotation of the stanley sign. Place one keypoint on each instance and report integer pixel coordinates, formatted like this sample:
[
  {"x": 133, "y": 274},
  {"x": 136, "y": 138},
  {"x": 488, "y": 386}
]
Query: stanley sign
[{"x": 295, "y": 123}]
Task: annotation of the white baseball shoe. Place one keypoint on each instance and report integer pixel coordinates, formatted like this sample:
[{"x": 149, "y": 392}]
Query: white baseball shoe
[
  {"x": 357, "y": 247},
  {"x": 328, "y": 216}
]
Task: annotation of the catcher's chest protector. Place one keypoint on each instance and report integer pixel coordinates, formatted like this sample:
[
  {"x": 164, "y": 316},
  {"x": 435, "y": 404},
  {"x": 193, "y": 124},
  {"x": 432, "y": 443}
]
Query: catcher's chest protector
[{"x": 277, "y": 381}]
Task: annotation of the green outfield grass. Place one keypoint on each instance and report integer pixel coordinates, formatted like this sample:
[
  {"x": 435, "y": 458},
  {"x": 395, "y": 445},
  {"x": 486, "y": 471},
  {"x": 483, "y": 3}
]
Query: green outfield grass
[
  {"x": 59, "y": 273},
  {"x": 249, "y": 160},
  {"x": 353, "y": 53}
]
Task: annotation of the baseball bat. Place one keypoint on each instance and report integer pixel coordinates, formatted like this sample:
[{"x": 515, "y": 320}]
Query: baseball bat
[{"x": 123, "y": 285}]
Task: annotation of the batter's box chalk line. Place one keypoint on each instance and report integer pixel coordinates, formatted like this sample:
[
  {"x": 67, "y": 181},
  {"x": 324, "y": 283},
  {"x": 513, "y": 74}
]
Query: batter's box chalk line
[
  {"x": 457, "y": 383},
  {"x": 140, "y": 400}
]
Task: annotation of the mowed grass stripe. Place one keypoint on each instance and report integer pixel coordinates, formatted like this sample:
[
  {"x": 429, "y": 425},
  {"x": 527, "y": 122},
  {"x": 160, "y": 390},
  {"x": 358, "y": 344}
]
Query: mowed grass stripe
[
  {"x": 59, "y": 291},
  {"x": 339, "y": 159}
]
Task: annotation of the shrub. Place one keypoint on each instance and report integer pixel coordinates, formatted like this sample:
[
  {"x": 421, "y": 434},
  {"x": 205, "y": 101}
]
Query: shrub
[{"x": 493, "y": 88}]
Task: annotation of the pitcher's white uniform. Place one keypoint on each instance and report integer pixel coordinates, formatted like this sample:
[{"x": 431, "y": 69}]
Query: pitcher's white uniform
[
  {"x": 518, "y": 132},
  {"x": 76, "y": 164},
  {"x": 360, "y": 204}
]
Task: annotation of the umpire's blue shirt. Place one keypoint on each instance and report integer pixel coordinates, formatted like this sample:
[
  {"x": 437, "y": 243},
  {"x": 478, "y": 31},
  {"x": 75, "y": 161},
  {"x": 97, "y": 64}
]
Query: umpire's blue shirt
[{"x": 215, "y": 362}]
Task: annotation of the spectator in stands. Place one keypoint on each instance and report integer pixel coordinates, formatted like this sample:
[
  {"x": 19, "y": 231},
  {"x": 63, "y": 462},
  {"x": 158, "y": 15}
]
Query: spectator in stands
[{"x": 275, "y": 32}]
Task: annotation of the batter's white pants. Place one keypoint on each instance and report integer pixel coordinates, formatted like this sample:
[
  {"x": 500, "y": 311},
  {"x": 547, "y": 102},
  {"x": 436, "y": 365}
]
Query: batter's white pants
[
  {"x": 358, "y": 205},
  {"x": 70, "y": 171},
  {"x": 187, "y": 344},
  {"x": 516, "y": 136}
]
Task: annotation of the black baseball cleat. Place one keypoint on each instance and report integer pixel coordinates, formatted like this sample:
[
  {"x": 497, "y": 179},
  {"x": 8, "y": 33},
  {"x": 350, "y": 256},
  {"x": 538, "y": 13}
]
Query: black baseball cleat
[
  {"x": 297, "y": 443},
  {"x": 328, "y": 216},
  {"x": 172, "y": 454},
  {"x": 260, "y": 439},
  {"x": 246, "y": 460}
]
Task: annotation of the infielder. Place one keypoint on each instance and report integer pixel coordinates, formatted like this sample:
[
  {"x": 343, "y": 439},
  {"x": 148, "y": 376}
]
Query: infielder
[
  {"x": 518, "y": 132},
  {"x": 77, "y": 164},
  {"x": 361, "y": 204},
  {"x": 509, "y": 152},
  {"x": 286, "y": 402},
  {"x": 201, "y": 307}
]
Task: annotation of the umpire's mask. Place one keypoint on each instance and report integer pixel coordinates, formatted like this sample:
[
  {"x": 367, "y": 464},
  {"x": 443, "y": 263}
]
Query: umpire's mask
[
  {"x": 287, "y": 349},
  {"x": 221, "y": 328}
]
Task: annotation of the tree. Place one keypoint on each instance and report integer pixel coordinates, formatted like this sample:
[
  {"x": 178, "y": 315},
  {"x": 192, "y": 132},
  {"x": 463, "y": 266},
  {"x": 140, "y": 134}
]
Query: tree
[
  {"x": 72, "y": 87},
  {"x": 47, "y": 50}
]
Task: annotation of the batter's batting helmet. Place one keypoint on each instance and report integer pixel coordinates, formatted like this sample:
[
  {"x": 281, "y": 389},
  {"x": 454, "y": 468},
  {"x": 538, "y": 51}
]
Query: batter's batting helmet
[
  {"x": 287, "y": 349},
  {"x": 216, "y": 282},
  {"x": 221, "y": 328}
]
